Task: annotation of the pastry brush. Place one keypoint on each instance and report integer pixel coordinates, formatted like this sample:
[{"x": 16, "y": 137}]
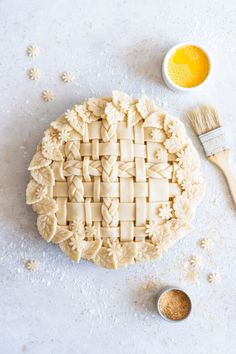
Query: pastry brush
[{"x": 206, "y": 123}]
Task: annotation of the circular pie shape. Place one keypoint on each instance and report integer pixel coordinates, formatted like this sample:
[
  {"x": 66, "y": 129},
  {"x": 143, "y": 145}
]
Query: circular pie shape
[{"x": 115, "y": 181}]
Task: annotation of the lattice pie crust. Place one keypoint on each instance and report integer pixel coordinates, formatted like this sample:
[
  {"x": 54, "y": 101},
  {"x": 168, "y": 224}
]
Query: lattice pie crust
[{"x": 115, "y": 181}]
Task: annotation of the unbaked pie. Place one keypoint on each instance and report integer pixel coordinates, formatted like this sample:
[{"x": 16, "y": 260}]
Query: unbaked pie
[{"x": 114, "y": 180}]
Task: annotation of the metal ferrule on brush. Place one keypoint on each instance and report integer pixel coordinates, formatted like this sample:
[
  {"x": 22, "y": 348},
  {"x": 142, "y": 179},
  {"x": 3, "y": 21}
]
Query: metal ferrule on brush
[{"x": 213, "y": 141}]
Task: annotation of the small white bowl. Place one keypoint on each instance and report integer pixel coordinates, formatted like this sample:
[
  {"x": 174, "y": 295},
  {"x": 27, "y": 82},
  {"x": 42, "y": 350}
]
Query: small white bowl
[
  {"x": 163, "y": 292},
  {"x": 168, "y": 80}
]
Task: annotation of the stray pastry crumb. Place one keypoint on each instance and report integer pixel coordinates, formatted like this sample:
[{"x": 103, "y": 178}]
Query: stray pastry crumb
[
  {"x": 215, "y": 201},
  {"x": 32, "y": 51},
  {"x": 213, "y": 278},
  {"x": 23, "y": 348},
  {"x": 67, "y": 77},
  {"x": 47, "y": 96},
  {"x": 192, "y": 276},
  {"x": 205, "y": 243},
  {"x": 174, "y": 305},
  {"x": 34, "y": 74},
  {"x": 32, "y": 265}
]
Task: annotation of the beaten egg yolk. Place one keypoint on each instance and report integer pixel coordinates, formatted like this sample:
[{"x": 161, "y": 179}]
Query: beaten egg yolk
[{"x": 188, "y": 66}]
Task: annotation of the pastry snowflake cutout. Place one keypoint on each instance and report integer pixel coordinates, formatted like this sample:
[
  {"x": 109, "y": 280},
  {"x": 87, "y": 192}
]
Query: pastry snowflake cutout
[
  {"x": 114, "y": 181},
  {"x": 47, "y": 96},
  {"x": 32, "y": 51},
  {"x": 67, "y": 77},
  {"x": 34, "y": 74}
]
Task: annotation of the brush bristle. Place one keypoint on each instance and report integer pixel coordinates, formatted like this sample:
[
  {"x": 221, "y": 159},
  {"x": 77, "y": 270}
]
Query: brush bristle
[{"x": 204, "y": 119}]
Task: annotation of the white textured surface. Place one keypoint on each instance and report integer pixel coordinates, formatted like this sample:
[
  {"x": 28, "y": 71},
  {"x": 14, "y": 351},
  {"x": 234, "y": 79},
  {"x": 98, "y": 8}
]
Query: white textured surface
[{"x": 81, "y": 309}]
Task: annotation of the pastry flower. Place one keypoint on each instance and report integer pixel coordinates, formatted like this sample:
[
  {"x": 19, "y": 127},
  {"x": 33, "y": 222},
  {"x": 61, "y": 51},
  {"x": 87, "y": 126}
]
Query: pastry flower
[
  {"x": 77, "y": 226},
  {"x": 34, "y": 74},
  {"x": 40, "y": 192},
  {"x": 151, "y": 229},
  {"x": 175, "y": 128},
  {"x": 32, "y": 51},
  {"x": 67, "y": 77},
  {"x": 194, "y": 261},
  {"x": 47, "y": 146},
  {"x": 52, "y": 136},
  {"x": 114, "y": 248},
  {"x": 205, "y": 243},
  {"x": 161, "y": 155},
  {"x": 165, "y": 212},
  {"x": 64, "y": 135},
  {"x": 157, "y": 135},
  {"x": 90, "y": 231},
  {"x": 73, "y": 243},
  {"x": 186, "y": 184},
  {"x": 70, "y": 115},
  {"x": 47, "y": 96},
  {"x": 213, "y": 278},
  {"x": 181, "y": 157},
  {"x": 32, "y": 265}
]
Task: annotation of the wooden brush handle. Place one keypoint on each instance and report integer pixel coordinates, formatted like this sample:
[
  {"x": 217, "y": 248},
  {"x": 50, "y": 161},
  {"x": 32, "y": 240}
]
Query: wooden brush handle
[{"x": 221, "y": 159}]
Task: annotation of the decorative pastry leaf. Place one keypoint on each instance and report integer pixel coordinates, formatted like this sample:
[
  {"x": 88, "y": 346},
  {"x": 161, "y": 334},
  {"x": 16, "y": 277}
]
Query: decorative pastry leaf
[
  {"x": 154, "y": 120},
  {"x": 175, "y": 144},
  {"x": 133, "y": 116},
  {"x": 51, "y": 151},
  {"x": 84, "y": 114},
  {"x": 129, "y": 252},
  {"x": 52, "y": 135},
  {"x": 47, "y": 225},
  {"x": 103, "y": 259},
  {"x": 183, "y": 207},
  {"x": 61, "y": 124},
  {"x": 146, "y": 251},
  {"x": 91, "y": 249},
  {"x": 62, "y": 234},
  {"x": 96, "y": 106},
  {"x": 35, "y": 192},
  {"x": 38, "y": 161},
  {"x": 146, "y": 106},
  {"x": 121, "y": 100},
  {"x": 75, "y": 121},
  {"x": 45, "y": 206},
  {"x": 113, "y": 115},
  {"x": 74, "y": 254},
  {"x": 44, "y": 176}
]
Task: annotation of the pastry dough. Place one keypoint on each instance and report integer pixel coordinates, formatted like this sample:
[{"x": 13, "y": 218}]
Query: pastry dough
[{"x": 114, "y": 181}]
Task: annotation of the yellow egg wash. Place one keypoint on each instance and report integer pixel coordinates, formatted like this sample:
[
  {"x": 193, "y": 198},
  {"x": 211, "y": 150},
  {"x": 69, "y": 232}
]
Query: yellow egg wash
[{"x": 188, "y": 66}]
